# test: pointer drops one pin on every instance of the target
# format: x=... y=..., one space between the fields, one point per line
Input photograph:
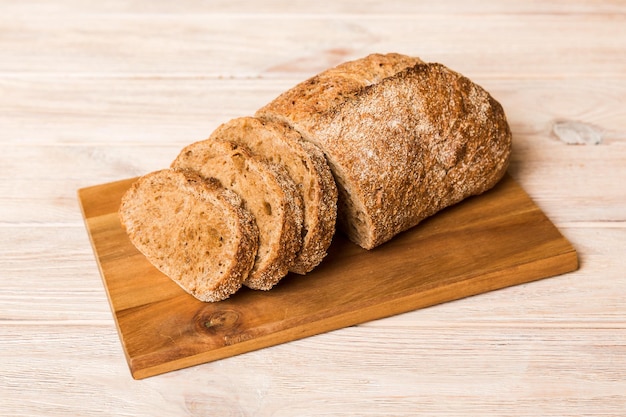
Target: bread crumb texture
x=194 y=231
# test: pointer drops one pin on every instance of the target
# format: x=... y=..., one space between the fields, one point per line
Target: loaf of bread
x=404 y=139
x=306 y=165
x=267 y=191
x=377 y=145
x=194 y=231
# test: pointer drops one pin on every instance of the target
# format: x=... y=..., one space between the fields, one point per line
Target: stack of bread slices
x=372 y=146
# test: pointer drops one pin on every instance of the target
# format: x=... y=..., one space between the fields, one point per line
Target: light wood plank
x=151 y=110
x=210 y=45
x=416 y=372
x=48 y=273
x=595 y=192
x=324 y=7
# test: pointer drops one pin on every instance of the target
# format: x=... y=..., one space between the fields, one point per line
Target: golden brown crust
x=307 y=166
x=302 y=106
x=170 y=217
x=268 y=193
x=403 y=148
x=373 y=68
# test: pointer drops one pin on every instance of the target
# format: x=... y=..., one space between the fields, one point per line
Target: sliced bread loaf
x=418 y=140
x=307 y=166
x=194 y=231
x=268 y=193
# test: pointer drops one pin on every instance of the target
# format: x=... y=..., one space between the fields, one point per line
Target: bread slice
x=403 y=148
x=194 y=231
x=268 y=193
x=307 y=166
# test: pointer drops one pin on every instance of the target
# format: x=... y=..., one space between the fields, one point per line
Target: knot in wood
x=222 y=320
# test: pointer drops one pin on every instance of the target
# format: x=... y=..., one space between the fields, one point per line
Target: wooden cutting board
x=492 y=241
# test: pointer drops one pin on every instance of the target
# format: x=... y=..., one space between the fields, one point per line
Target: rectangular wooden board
x=488 y=242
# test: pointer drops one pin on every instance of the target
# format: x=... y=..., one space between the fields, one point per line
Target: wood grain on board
x=488 y=242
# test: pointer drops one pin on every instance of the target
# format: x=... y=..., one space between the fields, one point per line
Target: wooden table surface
x=93 y=92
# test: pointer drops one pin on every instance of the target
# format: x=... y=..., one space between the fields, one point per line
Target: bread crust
x=254 y=178
x=167 y=216
x=402 y=148
x=305 y=105
x=307 y=166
